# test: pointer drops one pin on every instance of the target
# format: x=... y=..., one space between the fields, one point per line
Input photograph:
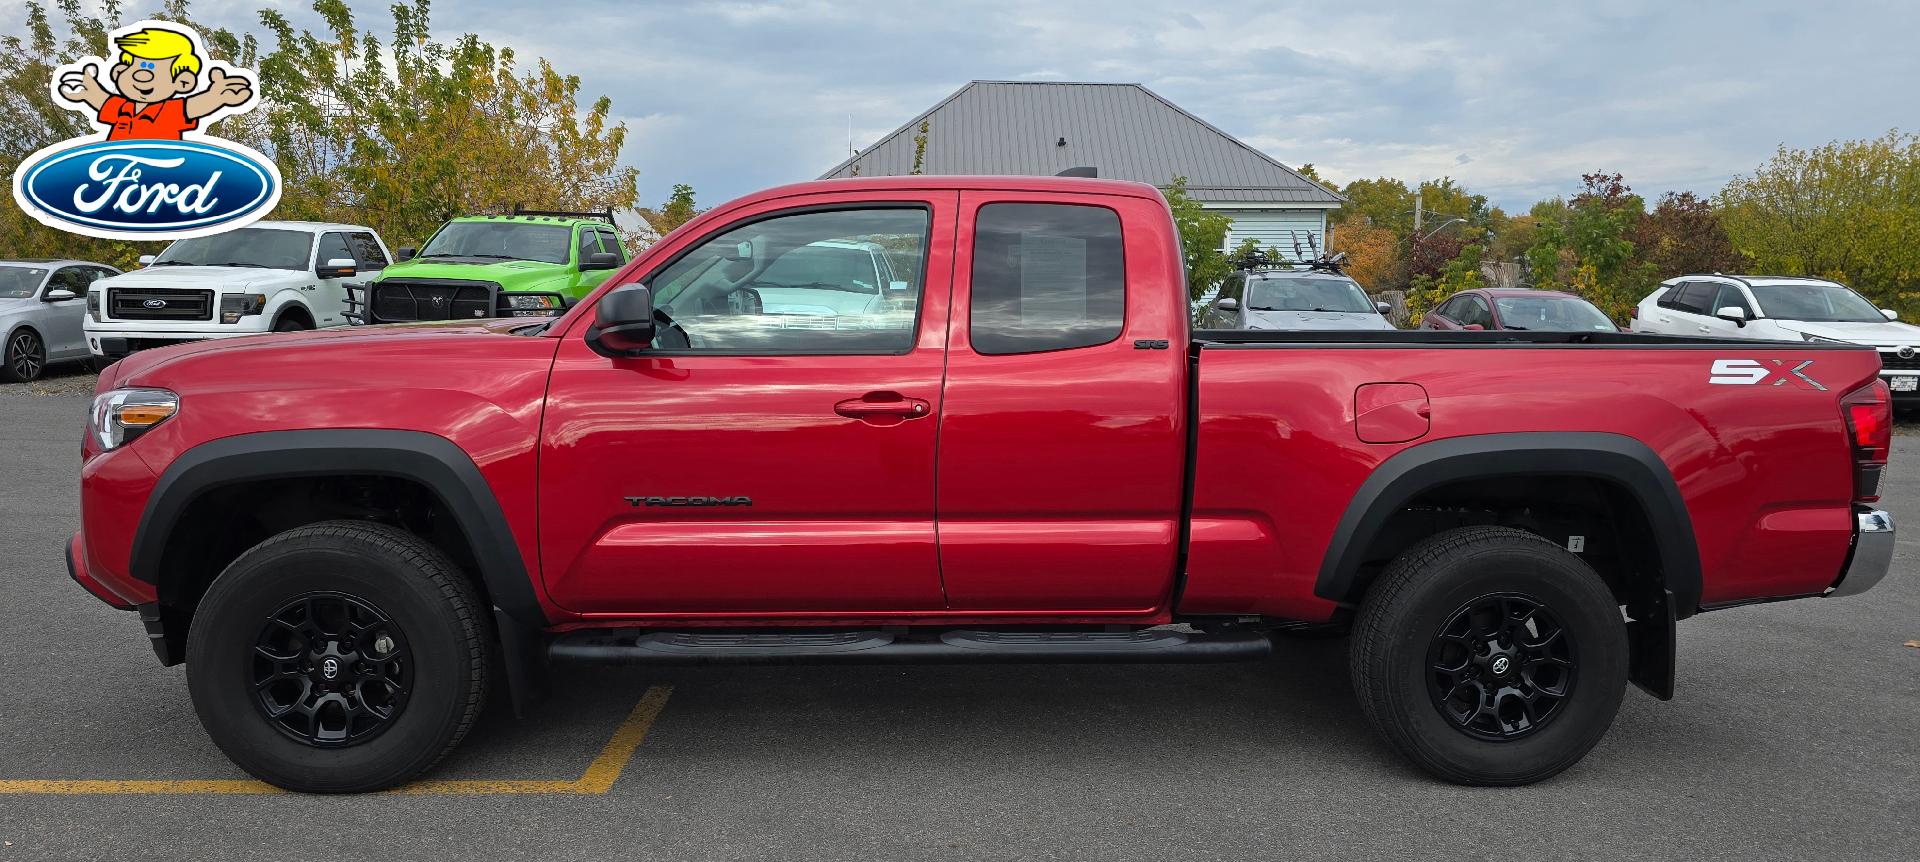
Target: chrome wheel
x=26 y=356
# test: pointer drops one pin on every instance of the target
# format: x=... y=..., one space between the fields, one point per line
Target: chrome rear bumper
x=1872 y=553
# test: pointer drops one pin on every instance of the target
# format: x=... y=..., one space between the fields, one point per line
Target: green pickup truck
x=534 y=263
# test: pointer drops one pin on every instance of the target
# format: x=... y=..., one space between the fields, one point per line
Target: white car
x=271 y=276
x=1780 y=308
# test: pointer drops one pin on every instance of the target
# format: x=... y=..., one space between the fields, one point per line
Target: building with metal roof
x=1123 y=131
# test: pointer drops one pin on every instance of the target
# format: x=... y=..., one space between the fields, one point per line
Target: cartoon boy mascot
x=157 y=71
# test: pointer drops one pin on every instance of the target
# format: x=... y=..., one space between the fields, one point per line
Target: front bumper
x=78 y=571
x=1872 y=555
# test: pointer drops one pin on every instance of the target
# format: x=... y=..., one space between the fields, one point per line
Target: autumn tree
x=1683 y=234
x=1849 y=211
x=678 y=210
x=1203 y=233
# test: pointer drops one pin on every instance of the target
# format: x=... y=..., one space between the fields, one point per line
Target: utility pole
x=1418 y=205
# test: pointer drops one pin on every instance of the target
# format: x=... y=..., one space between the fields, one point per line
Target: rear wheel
x=340 y=657
x=1490 y=656
x=26 y=356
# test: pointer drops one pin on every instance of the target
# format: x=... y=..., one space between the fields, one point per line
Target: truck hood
x=333 y=344
x=511 y=275
x=235 y=279
x=1321 y=320
x=1882 y=333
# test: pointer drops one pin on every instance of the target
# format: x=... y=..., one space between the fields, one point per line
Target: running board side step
x=885 y=647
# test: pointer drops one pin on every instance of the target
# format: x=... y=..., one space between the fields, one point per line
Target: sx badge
x=153 y=174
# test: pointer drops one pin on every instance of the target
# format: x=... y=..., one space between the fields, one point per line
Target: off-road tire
x=1422 y=589
x=411 y=582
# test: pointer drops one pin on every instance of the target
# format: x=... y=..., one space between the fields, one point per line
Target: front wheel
x=1490 y=656
x=339 y=657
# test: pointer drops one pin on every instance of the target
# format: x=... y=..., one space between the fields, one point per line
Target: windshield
x=499 y=240
x=1307 y=294
x=20 y=282
x=249 y=246
x=1551 y=314
x=1815 y=302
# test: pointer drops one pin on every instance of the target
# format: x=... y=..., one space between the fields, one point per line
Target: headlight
x=123 y=414
x=532 y=304
x=1810 y=337
x=93 y=305
x=236 y=306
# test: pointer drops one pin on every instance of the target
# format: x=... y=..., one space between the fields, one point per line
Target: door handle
x=877 y=405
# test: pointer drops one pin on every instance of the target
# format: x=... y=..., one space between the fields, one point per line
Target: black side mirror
x=405 y=253
x=622 y=321
x=339 y=267
x=600 y=260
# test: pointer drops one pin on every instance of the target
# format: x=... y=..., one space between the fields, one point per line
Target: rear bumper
x=1872 y=555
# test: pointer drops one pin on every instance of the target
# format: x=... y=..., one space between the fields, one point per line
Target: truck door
x=758 y=460
x=1062 y=440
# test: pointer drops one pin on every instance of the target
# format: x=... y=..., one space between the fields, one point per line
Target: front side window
x=501 y=240
x=611 y=244
x=73 y=278
x=1475 y=312
x=1307 y=294
x=263 y=247
x=801 y=283
x=1046 y=277
x=333 y=246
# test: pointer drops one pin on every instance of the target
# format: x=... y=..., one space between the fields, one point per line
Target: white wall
x=1270 y=227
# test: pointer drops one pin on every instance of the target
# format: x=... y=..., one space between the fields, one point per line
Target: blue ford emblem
x=145 y=189
x=155 y=303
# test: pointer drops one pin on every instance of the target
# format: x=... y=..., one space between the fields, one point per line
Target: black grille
x=1892 y=362
x=401 y=300
x=159 y=303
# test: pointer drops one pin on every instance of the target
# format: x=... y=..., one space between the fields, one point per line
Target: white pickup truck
x=271 y=276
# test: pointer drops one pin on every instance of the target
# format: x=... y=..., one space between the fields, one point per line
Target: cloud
x=734 y=96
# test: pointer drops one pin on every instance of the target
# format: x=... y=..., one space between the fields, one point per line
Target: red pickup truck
x=1018 y=454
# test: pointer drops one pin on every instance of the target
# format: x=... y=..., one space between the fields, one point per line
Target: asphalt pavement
x=1796 y=735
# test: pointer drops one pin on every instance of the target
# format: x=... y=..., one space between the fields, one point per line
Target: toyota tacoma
x=1013 y=451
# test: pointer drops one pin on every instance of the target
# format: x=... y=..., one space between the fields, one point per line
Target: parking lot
x=1796 y=734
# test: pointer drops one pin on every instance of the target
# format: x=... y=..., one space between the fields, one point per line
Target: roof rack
x=605 y=215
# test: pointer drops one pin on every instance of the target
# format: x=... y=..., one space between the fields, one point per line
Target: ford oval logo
x=155 y=303
x=147 y=189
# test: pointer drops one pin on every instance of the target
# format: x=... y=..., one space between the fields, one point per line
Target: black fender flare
x=429 y=459
x=1614 y=458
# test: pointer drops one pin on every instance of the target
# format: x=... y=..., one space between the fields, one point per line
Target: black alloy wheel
x=26 y=356
x=1501 y=667
x=331 y=669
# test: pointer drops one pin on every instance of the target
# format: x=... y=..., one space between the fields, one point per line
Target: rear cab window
x=1046 y=277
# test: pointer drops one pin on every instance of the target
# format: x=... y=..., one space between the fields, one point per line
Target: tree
x=1683 y=234
x=1849 y=211
x=1373 y=256
x=1203 y=233
x=398 y=134
x=678 y=210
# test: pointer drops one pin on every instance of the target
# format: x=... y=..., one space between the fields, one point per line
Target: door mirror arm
x=623 y=322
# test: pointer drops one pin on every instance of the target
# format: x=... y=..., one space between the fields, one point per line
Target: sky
x=1514 y=99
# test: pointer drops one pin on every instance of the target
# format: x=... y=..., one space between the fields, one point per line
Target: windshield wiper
x=244 y=263
x=1521 y=328
x=173 y=263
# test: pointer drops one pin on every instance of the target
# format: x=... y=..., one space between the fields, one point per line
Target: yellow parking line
x=598 y=779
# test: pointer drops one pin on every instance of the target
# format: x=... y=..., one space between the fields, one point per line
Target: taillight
x=1869 y=412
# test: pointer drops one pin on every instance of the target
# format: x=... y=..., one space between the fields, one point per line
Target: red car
x=1523 y=309
x=1015 y=452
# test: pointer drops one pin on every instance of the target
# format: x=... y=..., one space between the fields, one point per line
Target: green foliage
x=1202 y=233
x=1848 y=211
x=678 y=210
x=399 y=134
x=920 y=148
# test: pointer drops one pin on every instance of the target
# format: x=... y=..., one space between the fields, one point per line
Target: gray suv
x=1293 y=299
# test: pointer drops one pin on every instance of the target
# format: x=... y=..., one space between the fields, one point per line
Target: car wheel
x=290 y=323
x=26 y=356
x=1490 y=656
x=340 y=657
